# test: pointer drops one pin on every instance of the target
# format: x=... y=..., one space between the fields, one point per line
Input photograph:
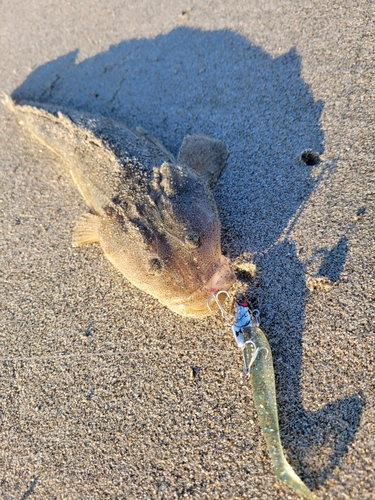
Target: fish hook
x=254 y=356
x=215 y=298
x=256 y=316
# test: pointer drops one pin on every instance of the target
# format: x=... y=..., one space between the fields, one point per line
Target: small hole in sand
x=310 y=157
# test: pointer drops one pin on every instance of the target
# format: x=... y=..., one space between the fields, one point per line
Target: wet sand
x=104 y=392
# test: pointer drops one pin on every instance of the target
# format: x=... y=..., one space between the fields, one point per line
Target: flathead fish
x=154 y=216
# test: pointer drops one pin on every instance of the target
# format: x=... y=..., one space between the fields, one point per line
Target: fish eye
x=193 y=240
x=155 y=267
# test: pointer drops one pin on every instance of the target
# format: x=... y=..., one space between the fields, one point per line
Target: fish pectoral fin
x=205 y=155
x=86 y=230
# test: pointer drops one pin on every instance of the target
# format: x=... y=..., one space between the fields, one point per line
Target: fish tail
x=24 y=113
x=15 y=109
x=258 y=358
x=44 y=122
x=7 y=101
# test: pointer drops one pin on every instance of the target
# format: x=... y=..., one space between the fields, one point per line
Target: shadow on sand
x=218 y=83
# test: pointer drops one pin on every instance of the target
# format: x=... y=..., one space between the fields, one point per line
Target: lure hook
x=256 y=351
x=215 y=298
x=256 y=316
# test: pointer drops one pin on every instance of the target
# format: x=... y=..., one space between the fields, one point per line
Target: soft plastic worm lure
x=259 y=366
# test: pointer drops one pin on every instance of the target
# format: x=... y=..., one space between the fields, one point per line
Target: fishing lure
x=258 y=366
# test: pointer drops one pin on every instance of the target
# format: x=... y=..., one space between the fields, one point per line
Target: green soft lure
x=258 y=364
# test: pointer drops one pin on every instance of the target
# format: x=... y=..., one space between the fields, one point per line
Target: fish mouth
x=195 y=305
x=222 y=278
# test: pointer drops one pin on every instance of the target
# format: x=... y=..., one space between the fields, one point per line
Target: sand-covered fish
x=154 y=217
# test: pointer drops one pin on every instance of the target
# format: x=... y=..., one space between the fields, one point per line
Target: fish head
x=170 y=246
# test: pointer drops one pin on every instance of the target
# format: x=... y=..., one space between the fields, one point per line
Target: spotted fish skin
x=154 y=217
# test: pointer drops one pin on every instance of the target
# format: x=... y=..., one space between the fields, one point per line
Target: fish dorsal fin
x=205 y=155
x=86 y=230
x=144 y=134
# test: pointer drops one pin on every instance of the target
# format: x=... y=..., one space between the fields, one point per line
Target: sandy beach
x=105 y=393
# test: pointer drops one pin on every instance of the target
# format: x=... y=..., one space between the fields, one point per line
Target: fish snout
x=195 y=305
x=222 y=278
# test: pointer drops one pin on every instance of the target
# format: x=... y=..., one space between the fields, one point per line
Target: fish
x=259 y=366
x=154 y=216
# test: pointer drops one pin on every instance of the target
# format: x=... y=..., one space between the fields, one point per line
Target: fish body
x=154 y=217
